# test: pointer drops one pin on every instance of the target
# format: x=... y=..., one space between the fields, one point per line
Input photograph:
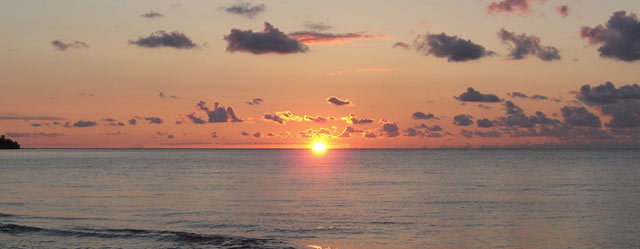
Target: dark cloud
x=245 y=134
x=370 y=135
x=608 y=93
x=412 y=132
x=36 y=125
x=116 y=124
x=401 y=45
x=214 y=135
x=163 y=96
x=336 y=101
x=515 y=117
x=153 y=120
x=518 y=95
x=275 y=118
x=451 y=47
x=217 y=114
x=133 y=121
x=38 y=134
x=352 y=119
x=308 y=37
x=390 y=130
x=62 y=46
x=470 y=134
x=317 y=26
x=170 y=136
x=619 y=38
x=245 y=9
x=539 y=97
x=580 y=116
x=475 y=96
x=422 y=115
x=510 y=6
x=161 y=38
x=484 y=123
x=282 y=117
x=81 y=123
x=30 y=118
x=524 y=45
x=486 y=107
x=348 y=131
x=271 y=40
x=255 y=101
x=625 y=114
x=317 y=119
x=462 y=120
x=257 y=134
x=151 y=14
x=563 y=10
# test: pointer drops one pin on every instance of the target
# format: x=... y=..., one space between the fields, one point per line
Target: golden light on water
x=319 y=147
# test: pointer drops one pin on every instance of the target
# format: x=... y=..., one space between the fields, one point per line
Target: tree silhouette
x=6 y=143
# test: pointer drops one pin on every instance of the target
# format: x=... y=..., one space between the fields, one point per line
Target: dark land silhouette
x=6 y=143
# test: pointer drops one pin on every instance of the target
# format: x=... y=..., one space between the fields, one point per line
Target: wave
x=179 y=237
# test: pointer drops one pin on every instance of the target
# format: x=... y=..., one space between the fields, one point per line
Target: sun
x=319 y=147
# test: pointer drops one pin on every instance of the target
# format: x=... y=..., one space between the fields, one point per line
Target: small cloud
x=133 y=121
x=523 y=45
x=401 y=45
x=271 y=40
x=317 y=26
x=339 y=102
x=282 y=117
x=563 y=10
x=38 y=134
x=309 y=37
x=217 y=114
x=30 y=118
x=151 y=14
x=462 y=120
x=214 y=134
x=62 y=46
x=352 y=119
x=170 y=136
x=246 y=9
x=452 y=47
x=510 y=6
x=422 y=115
x=579 y=116
x=484 y=123
x=255 y=101
x=163 y=96
x=81 y=124
x=475 y=96
x=153 y=120
x=161 y=38
x=390 y=130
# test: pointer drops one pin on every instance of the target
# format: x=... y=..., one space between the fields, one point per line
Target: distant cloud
x=163 y=96
x=255 y=101
x=422 y=115
x=523 y=45
x=352 y=119
x=484 y=123
x=451 y=47
x=623 y=103
x=257 y=134
x=153 y=120
x=516 y=117
x=475 y=96
x=161 y=38
x=619 y=39
x=62 y=46
x=283 y=117
x=245 y=134
x=370 y=134
x=470 y=134
x=339 y=102
x=518 y=95
x=309 y=37
x=579 y=116
x=30 y=118
x=462 y=120
x=246 y=9
x=510 y=6
x=133 y=121
x=271 y=40
x=151 y=14
x=217 y=114
x=390 y=130
x=346 y=133
x=401 y=45
x=81 y=124
x=563 y=10
x=317 y=26
x=38 y=134
x=170 y=136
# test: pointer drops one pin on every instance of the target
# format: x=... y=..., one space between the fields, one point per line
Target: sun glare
x=319 y=147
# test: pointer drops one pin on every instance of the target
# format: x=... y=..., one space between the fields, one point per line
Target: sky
x=352 y=74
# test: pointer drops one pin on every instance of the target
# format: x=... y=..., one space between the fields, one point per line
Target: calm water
x=342 y=199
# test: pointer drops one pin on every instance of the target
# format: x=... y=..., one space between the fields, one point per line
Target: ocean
x=344 y=198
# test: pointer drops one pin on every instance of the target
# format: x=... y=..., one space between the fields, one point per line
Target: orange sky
x=69 y=68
